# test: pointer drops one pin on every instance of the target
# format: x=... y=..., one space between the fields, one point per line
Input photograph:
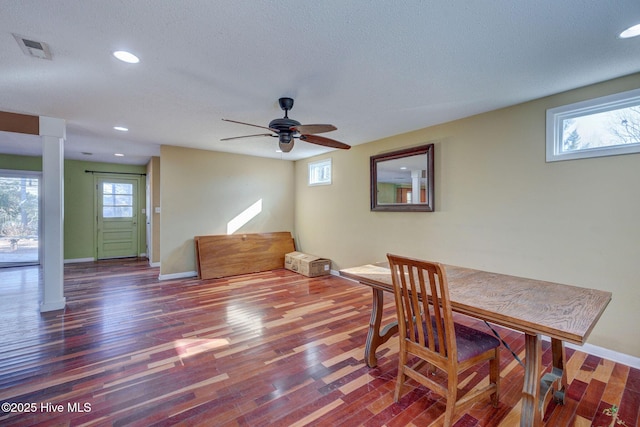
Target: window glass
x=117 y=200
x=599 y=127
x=320 y=172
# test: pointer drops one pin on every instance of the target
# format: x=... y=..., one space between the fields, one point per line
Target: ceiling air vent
x=33 y=48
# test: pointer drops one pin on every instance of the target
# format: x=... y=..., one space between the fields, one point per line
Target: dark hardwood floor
x=266 y=349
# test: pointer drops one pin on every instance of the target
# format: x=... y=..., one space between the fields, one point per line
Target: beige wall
x=499 y=207
x=153 y=193
x=201 y=191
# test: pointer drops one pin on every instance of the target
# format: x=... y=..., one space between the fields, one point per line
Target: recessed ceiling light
x=125 y=56
x=119 y=155
x=630 y=32
x=120 y=128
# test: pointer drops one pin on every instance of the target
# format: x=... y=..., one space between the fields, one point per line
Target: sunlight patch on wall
x=244 y=217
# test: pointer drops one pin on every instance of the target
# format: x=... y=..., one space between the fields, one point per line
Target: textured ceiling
x=372 y=68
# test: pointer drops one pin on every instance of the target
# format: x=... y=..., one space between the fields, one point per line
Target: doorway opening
x=19 y=218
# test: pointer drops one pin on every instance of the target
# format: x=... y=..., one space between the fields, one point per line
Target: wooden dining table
x=537 y=308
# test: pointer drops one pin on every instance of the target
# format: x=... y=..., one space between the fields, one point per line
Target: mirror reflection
x=403 y=180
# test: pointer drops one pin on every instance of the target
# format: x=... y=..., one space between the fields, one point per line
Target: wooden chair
x=427 y=330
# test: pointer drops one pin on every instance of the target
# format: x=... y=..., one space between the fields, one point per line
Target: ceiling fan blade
x=321 y=140
x=246 y=136
x=313 y=129
x=249 y=124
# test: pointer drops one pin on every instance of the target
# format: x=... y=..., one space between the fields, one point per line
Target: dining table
x=539 y=309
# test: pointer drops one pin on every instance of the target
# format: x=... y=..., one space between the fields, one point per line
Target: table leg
x=536 y=394
x=531 y=416
x=375 y=337
x=554 y=383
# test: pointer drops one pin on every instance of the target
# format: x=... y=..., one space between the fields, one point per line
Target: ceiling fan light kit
x=287 y=130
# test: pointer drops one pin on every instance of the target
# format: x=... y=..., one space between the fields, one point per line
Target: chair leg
x=452 y=397
x=402 y=360
x=494 y=377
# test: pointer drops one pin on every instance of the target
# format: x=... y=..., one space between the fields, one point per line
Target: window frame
x=319 y=164
x=556 y=116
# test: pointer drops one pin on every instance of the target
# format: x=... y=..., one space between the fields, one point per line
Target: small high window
x=320 y=172
x=598 y=127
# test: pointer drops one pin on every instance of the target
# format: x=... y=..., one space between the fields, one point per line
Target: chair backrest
x=427 y=322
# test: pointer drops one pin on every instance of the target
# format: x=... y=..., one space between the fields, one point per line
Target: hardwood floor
x=272 y=348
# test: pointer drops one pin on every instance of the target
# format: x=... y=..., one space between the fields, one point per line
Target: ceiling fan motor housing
x=284 y=124
x=283 y=127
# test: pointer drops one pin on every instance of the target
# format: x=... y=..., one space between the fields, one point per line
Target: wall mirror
x=403 y=180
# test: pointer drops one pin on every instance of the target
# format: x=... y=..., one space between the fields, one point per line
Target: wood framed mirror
x=402 y=181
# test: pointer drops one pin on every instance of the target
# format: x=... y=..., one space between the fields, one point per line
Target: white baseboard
x=53 y=306
x=182 y=275
x=154 y=264
x=605 y=353
x=70 y=261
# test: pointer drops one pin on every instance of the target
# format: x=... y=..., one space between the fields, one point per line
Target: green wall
x=21 y=163
x=386 y=192
x=79 y=215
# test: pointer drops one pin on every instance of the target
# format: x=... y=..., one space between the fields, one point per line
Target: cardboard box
x=308 y=265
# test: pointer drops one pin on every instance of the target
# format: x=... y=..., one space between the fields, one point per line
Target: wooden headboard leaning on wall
x=223 y=256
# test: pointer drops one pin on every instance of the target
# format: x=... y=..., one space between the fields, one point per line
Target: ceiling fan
x=287 y=130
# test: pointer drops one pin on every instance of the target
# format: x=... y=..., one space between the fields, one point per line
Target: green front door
x=117 y=217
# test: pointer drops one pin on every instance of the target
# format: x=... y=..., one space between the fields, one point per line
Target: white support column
x=415 y=185
x=53 y=133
